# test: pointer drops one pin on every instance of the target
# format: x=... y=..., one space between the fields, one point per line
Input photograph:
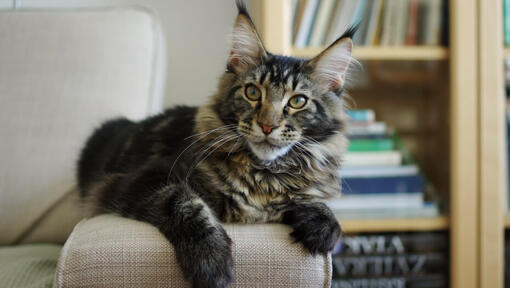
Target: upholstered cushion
x=110 y=251
x=61 y=74
x=28 y=266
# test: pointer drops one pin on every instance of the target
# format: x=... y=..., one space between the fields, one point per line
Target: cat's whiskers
x=200 y=158
x=221 y=128
x=225 y=127
x=315 y=142
x=233 y=146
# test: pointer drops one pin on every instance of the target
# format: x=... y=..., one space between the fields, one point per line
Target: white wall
x=196 y=32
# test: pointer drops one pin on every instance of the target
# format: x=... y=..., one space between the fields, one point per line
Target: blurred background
x=425 y=180
x=199 y=53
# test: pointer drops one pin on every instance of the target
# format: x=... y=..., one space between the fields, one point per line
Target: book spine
x=314 y=22
x=300 y=9
x=389 y=265
x=383 y=185
x=412 y=23
x=415 y=281
x=375 y=128
x=361 y=115
x=384 y=144
x=358 y=16
x=373 y=23
x=306 y=23
x=507 y=21
x=390 y=244
x=422 y=21
x=373 y=202
x=378 y=171
x=321 y=22
x=388 y=23
x=433 y=30
x=389 y=158
x=428 y=210
x=365 y=23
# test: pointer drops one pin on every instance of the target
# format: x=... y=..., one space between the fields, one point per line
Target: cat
x=265 y=148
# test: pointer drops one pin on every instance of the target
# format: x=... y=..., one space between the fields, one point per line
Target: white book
x=433 y=23
x=374 y=22
x=378 y=171
x=401 y=22
x=341 y=22
x=348 y=203
x=375 y=128
x=388 y=22
x=369 y=158
x=306 y=23
x=321 y=22
x=293 y=9
x=428 y=210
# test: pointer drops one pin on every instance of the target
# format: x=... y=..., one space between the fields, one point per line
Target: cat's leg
x=314 y=225
x=202 y=247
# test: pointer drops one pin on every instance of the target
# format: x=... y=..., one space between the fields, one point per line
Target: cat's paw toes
x=212 y=267
x=317 y=237
x=315 y=227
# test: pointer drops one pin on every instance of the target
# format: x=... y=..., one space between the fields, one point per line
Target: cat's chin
x=268 y=152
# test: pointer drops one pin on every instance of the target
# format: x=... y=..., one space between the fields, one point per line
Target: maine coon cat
x=265 y=148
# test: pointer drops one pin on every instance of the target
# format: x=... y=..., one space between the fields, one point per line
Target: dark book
x=389 y=265
x=392 y=244
x=383 y=185
x=415 y=281
x=445 y=23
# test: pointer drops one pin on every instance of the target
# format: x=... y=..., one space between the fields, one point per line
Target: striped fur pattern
x=265 y=148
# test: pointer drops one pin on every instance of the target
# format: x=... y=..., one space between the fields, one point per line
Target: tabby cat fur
x=265 y=148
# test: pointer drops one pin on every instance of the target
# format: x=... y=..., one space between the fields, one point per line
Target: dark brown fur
x=189 y=169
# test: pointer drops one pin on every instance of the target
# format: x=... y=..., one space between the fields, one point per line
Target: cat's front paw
x=208 y=262
x=315 y=226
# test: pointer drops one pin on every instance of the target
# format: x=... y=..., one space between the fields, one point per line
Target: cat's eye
x=252 y=92
x=298 y=101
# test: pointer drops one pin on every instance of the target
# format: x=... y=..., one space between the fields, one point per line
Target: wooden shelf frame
x=492 y=143
x=350 y=226
x=387 y=53
x=507 y=221
x=477 y=139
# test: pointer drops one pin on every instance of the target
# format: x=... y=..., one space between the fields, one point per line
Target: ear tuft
x=241 y=8
x=331 y=65
x=247 y=48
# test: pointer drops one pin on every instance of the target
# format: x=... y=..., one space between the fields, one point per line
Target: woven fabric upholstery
x=62 y=73
x=110 y=251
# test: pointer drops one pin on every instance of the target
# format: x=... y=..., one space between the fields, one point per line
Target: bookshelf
x=411 y=53
x=507 y=221
x=395 y=225
x=461 y=146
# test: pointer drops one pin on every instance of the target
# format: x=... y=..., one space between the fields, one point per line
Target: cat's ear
x=247 y=48
x=331 y=65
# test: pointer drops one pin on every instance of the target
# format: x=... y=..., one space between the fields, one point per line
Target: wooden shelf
x=506 y=52
x=507 y=221
x=394 y=225
x=411 y=53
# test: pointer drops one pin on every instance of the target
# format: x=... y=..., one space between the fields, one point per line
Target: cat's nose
x=267 y=129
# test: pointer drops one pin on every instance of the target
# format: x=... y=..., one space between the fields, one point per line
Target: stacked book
x=507 y=258
x=507 y=88
x=379 y=177
x=506 y=21
x=391 y=260
x=381 y=22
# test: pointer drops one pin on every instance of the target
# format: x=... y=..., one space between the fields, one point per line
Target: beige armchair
x=61 y=74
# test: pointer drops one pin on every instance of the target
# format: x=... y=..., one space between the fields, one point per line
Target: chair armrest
x=111 y=251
